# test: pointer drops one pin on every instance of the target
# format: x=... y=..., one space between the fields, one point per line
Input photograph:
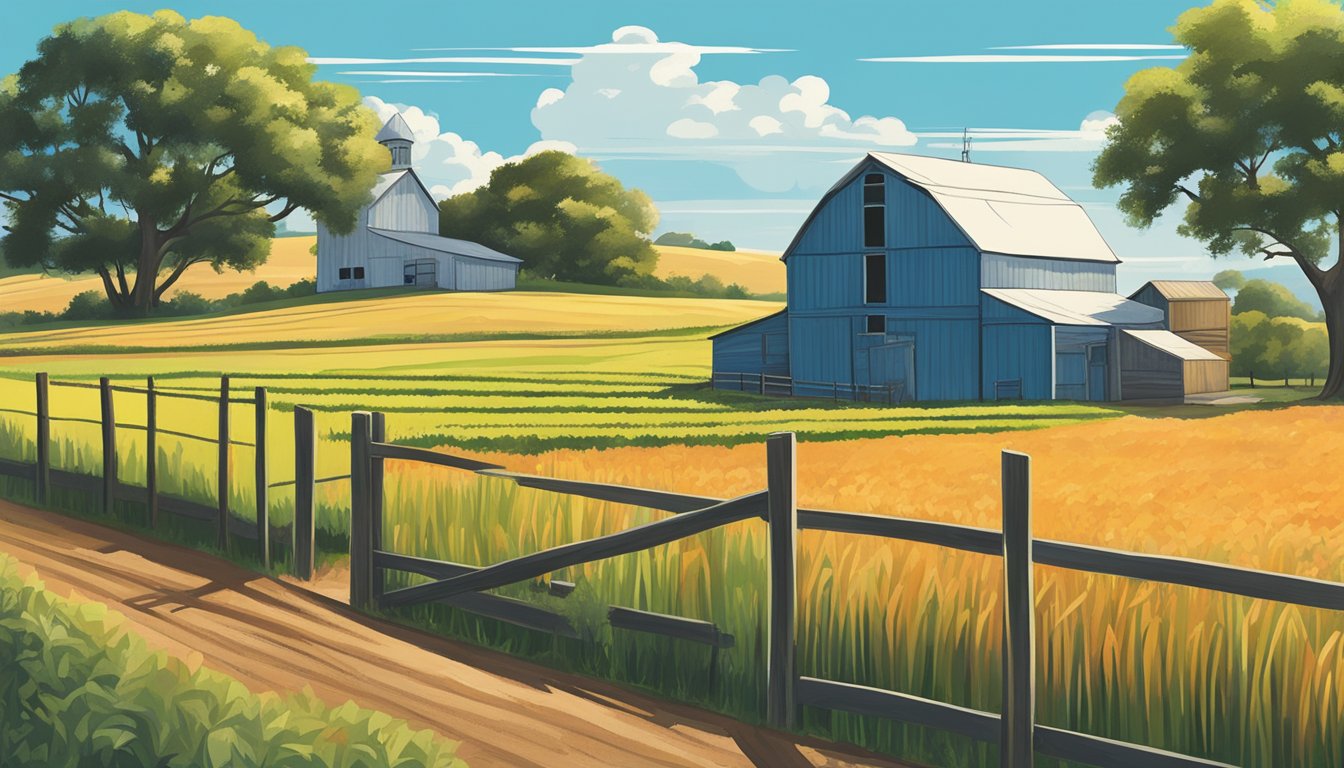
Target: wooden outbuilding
x=1196 y=310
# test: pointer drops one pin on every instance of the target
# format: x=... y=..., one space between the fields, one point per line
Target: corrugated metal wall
x=1017 y=352
x=405 y=207
x=820 y=350
x=760 y=347
x=480 y=275
x=999 y=271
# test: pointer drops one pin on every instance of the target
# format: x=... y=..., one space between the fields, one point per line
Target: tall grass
x=1249 y=682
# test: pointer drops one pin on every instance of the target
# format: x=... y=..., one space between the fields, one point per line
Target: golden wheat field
x=1252 y=682
x=757 y=272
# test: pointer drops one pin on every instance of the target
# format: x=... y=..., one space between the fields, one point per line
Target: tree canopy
x=1273 y=300
x=1277 y=347
x=1229 y=280
x=138 y=146
x=562 y=216
x=1248 y=131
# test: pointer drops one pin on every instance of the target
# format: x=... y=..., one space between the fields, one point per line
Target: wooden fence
x=1019 y=736
x=109 y=488
x=787 y=386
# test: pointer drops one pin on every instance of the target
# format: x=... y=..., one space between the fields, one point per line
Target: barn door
x=893 y=365
x=422 y=272
x=1096 y=372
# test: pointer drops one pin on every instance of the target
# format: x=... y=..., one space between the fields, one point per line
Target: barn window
x=874 y=211
x=344 y=273
x=877 y=324
x=359 y=273
x=875 y=278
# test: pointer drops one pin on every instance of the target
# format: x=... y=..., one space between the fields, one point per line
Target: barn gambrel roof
x=1012 y=211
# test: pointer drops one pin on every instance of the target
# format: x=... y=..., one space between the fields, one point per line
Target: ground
x=272 y=635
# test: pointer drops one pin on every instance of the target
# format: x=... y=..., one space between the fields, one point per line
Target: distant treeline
x=686 y=239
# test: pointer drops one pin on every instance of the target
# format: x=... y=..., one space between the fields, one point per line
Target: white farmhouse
x=396 y=240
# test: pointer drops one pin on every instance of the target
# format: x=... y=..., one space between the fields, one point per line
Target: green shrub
x=76 y=688
x=89 y=305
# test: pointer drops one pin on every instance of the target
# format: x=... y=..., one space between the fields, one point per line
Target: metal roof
x=395 y=129
x=1177 y=290
x=1098 y=308
x=1005 y=210
x=1173 y=345
x=750 y=323
x=446 y=245
x=1013 y=211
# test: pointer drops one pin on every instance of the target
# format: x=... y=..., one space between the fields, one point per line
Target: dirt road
x=273 y=635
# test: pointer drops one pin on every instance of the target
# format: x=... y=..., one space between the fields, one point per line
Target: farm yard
x=603 y=402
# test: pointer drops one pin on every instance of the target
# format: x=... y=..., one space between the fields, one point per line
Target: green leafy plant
x=79 y=689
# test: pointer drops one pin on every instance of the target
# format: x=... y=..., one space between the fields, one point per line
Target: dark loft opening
x=875 y=278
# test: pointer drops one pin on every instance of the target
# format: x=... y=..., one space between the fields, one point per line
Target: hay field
x=416 y=316
x=288 y=263
x=757 y=272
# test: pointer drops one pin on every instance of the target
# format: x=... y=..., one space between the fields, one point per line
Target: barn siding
x=1017 y=352
x=914 y=220
x=480 y=275
x=1205 y=376
x=758 y=347
x=406 y=208
x=820 y=350
x=1203 y=322
x=1000 y=271
x=1148 y=373
x=946 y=356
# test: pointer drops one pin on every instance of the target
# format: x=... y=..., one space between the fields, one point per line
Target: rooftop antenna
x=965 y=145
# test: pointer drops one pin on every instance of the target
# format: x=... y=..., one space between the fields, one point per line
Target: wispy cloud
x=401 y=73
x=523 y=60
x=1090 y=47
x=1001 y=58
x=1089 y=136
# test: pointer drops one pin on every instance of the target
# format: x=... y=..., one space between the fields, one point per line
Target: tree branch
x=288 y=209
x=1188 y=193
x=1313 y=272
x=174 y=275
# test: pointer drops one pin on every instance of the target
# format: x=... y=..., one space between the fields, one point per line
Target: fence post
x=223 y=487
x=43 y=442
x=152 y=452
x=361 y=512
x=782 y=515
x=379 y=433
x=109 y=425
x=305 y=475
x=762 y=382
x=1019 y=621
x=263 y=495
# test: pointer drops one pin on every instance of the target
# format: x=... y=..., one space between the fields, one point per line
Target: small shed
x=1159 y=365
x=1196 y=310
x=743 y=354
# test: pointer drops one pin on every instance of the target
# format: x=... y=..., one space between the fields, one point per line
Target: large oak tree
x=139 y=146
x=1249 y=133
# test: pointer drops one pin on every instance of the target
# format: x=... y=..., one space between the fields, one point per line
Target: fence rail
x=787 y=386
x=108 y=487
x=1020 y=738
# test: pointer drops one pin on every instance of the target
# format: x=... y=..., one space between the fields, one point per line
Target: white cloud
x=1011 y=58
x=637 y=97
x=1089 y=137
x=447 y=163
x=1090 y=47
x=533 y=61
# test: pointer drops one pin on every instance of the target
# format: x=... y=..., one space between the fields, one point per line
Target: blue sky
x=734 y=117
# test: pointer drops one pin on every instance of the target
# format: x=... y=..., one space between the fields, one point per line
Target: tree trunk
x=1332 y=298
x=146 y=267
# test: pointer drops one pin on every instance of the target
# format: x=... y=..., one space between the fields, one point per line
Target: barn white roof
x=1078 y=307
x=445 y=245
x=1012 y=211
x=1173 y=345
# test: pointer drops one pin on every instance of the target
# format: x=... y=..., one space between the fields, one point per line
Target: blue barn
x=918 y=278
